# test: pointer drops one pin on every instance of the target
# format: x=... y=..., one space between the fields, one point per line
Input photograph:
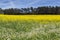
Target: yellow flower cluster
x=28 y=17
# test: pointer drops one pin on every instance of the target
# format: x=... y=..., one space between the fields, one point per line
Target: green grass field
x=29 y=30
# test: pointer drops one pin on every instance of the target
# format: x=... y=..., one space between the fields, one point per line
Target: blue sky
x=27 y=3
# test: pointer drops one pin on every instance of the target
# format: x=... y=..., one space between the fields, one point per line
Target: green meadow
x=29 y=30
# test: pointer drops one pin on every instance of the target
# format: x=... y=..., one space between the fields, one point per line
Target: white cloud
x=11 y=3
x=34 y=2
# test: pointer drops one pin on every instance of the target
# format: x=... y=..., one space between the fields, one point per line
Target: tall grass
x=29 y=30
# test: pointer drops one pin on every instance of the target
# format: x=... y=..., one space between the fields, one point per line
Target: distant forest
x=44 y=10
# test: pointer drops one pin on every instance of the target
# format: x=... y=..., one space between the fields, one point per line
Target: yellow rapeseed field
x=28 y=17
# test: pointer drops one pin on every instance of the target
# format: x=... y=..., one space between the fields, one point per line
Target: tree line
x=32 y=11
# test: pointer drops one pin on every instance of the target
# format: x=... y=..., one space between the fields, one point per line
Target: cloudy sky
x=27 y=3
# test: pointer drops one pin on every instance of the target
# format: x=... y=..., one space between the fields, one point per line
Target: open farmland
x=29 y=27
